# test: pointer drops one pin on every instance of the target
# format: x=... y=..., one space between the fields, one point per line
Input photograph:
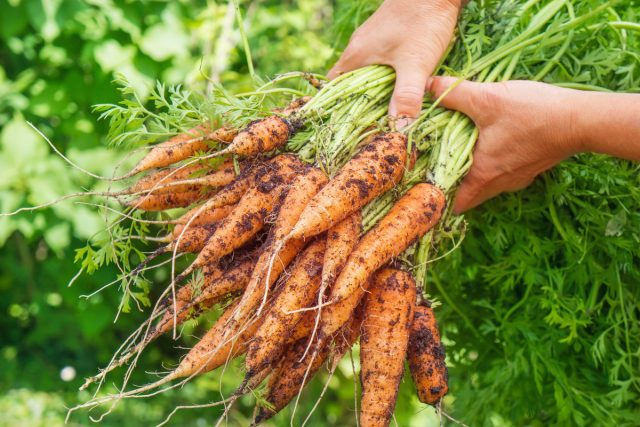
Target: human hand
x=524 y=128
x=409 y=35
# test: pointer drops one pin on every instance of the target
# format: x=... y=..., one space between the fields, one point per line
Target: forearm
x=608 y=123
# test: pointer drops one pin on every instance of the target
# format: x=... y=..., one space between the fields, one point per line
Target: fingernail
x=427 y=86
x=403 y=121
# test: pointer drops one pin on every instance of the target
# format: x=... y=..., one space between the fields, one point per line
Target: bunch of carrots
x=311 y=226
x=279 y=244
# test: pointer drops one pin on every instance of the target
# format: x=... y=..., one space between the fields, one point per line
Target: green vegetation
x=538 y=306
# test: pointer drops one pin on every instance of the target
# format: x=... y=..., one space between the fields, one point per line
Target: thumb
x=406 y=100
x=469 y=194
x=352 y=58
x=463 y=97
x=466 y=197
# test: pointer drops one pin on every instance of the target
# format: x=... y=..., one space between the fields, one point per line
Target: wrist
x=586 y=109
x=577 y=117
x=457 y=4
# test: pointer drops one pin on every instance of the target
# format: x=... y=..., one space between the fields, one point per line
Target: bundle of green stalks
x=309 y=222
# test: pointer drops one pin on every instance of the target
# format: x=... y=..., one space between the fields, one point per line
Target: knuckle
x=494 y=94
x=356 y=42
x=487 y=101
x=408 y=97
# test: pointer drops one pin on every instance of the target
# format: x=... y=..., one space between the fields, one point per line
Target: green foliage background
x=539 y=307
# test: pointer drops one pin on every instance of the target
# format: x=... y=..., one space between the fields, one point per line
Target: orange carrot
x=341 y=239
x=249 y=215
x=295 y=369
x=426 y=357
x=210 y=216
x=303 y=328
x=161 y=202
x=409 y=219
x=374 y=170
x=276 y=258
x=260 y=136
x=191 y=300
x=335 y=315
x=192 y=240
x=163 y=177
x=182 y=146
x=231 y=194
x=204 y=357
x=198 y=177
x=388 y=312
x=298 y=291
x=258 y=282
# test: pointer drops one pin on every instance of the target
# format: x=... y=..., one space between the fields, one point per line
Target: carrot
x=295 y=369
x=344 y=338
x=277 y=257
x=249 y=215
x=185 y=178
x=409 y=219
x=298 y=291
x=217 y=285
x=264 y=135
x=287 y=380
x=233 y=280
x=258 y=282
x=193 y=239
x=181 y=240
x=299 y=193
x=335 y=315
x=260 y=136
x=426 y=357
x=161 y=202
x=166 y=176
x=209 y=216
x=182 y=146
x=229 y=195
x=204 y=357
x=388 y=312
x=374 y=170
x=303 y=328
x=341 y=239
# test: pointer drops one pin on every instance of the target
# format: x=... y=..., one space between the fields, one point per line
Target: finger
x=351 y=59
x=408 y=92
x=463 y=97
x=467 y=194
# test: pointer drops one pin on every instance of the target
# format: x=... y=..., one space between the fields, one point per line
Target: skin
x=526 y=128
x=552 y=123
x=382 y=39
